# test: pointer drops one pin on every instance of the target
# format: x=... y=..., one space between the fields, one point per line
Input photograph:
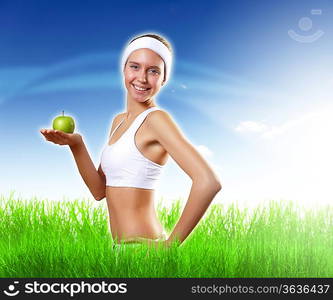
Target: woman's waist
x=129 y=192
x=134 y=230
x=130 y=199
x=134 y=220
x=132 y=213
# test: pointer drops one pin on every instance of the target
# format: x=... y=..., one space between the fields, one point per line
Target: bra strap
x=141 y=118
x=116 y=128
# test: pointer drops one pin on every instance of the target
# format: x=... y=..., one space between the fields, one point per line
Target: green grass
x=72 y=239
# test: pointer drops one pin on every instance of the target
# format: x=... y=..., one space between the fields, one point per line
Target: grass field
x=72 y=239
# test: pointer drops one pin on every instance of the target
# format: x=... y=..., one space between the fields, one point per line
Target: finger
x=57 y=138
x=47 y=135
x=61 y=139
x=49 y=139
x=50 y=130
x=60 y=135
x=66 y=137
x=63 y=134
x=45 y=132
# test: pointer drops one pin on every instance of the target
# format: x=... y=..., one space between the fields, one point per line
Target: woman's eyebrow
x=133 y=62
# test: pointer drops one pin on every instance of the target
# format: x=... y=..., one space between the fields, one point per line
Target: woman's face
x=144 y=70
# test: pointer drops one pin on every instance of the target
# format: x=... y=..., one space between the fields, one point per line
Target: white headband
x=152 y=44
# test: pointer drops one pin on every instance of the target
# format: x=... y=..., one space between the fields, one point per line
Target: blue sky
x=253 y=100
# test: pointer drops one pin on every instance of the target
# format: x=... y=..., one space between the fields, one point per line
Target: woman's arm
x=205 y=183
x=92 y=178
x=201 y=195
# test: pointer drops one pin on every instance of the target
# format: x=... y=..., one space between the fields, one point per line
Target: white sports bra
x=124 y=165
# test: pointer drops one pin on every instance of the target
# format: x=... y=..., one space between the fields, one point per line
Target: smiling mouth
x=139 y=89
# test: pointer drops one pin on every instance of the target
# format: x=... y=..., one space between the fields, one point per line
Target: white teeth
x=138 y=88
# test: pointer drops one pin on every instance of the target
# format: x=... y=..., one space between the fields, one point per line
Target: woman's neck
x=134 y=108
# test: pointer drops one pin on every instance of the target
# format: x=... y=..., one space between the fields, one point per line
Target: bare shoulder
x=116 y=120
x=161 y=120
x=164 y=127
x=119 y=116
x=158 y=114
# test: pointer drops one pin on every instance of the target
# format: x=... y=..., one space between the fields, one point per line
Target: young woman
x=140 y=142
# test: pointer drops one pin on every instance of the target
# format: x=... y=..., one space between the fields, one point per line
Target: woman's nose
x=143 y=76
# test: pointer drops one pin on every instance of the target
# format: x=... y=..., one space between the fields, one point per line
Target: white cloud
x=301 y=124
x=251 y=126
x=300 y=157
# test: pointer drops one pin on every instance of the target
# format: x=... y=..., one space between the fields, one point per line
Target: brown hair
x=159 y=38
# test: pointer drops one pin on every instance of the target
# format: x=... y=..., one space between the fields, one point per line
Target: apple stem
x=63 y=112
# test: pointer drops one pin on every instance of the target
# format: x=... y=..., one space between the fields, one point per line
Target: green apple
x=64 y=123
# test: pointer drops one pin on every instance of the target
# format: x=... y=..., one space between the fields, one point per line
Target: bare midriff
x=132 y=214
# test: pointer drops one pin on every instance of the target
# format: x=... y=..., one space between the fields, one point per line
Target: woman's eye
x=151 y=70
